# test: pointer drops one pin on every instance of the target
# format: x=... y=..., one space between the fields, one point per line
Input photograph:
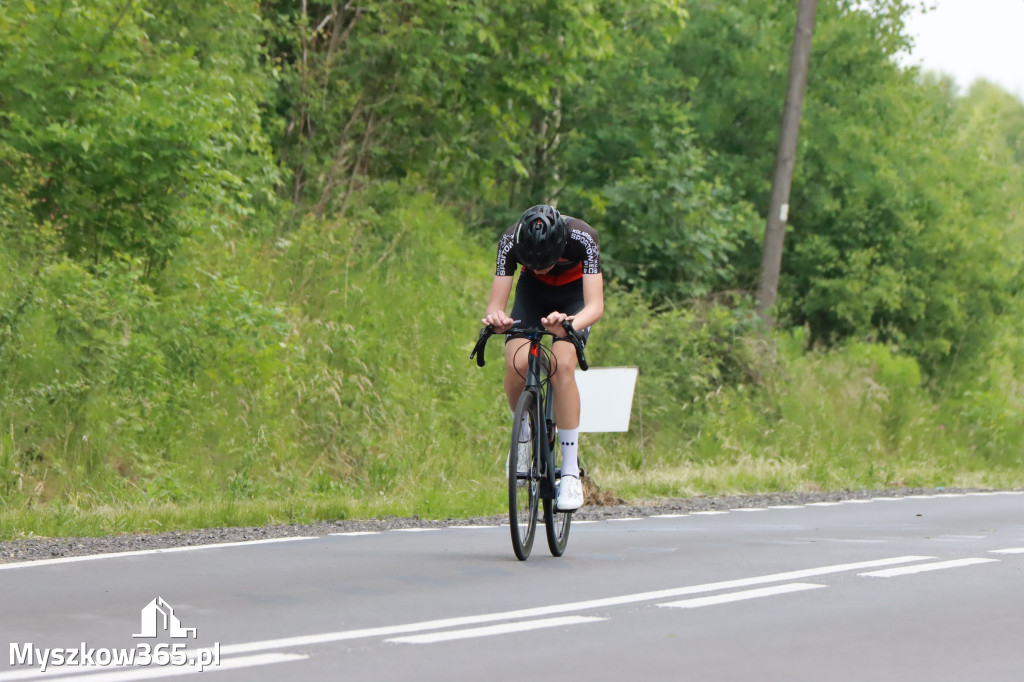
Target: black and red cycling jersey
x=582 y=255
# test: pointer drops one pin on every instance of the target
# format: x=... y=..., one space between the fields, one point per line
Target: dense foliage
x=244 y=246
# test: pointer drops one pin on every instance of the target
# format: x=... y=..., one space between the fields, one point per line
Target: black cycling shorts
x=535 y=299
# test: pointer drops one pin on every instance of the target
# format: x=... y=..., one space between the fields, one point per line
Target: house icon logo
x=158 y=616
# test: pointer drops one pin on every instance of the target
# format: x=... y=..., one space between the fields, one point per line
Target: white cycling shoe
x=570 y=494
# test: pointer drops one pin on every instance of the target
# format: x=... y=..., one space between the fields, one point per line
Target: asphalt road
x=917 y=588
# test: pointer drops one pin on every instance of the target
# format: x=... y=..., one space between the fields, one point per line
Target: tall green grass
x=321 y=372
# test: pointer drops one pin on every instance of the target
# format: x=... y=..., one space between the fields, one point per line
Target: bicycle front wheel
x=523 y=480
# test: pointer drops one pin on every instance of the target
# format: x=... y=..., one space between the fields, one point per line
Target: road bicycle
x=539 y=479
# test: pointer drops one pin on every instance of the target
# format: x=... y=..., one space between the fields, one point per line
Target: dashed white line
x=922 y=568
x=741 y=596
x=491 y=630
x=554 y=609
x=1010 y=550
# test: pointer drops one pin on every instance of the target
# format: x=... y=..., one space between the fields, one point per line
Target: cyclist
x=560 y=279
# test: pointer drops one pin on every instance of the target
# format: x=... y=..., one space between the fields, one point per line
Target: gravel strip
x=32 y=549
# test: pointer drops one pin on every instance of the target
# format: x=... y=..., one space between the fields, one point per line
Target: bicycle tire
x=524 y=489
x=556 y=527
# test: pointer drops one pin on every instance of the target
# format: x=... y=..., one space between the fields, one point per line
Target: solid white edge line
x=555 y=609
x=922 y=568
x=126 y=674
x=741 y=596
x=356 y=532
x=412 y=530
x=145 y=552
x=490 y=630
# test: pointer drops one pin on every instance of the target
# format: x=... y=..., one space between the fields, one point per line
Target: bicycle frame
x=545 y=402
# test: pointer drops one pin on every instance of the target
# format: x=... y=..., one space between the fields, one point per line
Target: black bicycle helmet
x=540 y=237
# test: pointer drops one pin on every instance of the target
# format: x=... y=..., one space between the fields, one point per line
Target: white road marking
x=709 y=513
x=958 y=538
x=668 y=516
x=921 y=568
x=125 y=674
x=490 y=630
x=741 y=596
x=473 y=527
x=823 y=504
x=411 y=530
x=555 y=609
x=1011 y=550
x=358 y=532
x=787 y=506
x=750 y=509
x=857 y=501
x=144 y=552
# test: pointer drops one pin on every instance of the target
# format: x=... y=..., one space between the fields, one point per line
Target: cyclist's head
x=540 y=237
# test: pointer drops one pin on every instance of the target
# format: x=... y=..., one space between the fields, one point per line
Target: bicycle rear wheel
x=524 y=486
x=556 y=526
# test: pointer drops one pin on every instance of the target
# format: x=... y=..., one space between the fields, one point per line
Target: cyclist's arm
x=593 y=302
x=501 y=290
x=593 y=308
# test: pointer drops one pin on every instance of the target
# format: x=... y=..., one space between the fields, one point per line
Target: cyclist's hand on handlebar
x=499 y=320
x=553 y=323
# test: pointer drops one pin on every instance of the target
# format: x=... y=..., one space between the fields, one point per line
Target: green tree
x=143 y=122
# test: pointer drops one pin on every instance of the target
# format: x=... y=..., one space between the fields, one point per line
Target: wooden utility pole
x=778 y=212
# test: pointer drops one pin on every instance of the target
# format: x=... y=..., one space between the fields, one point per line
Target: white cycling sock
x=524 y=432
x=570 y=440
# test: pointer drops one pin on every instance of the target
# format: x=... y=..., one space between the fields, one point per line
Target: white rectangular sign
x=606 y=398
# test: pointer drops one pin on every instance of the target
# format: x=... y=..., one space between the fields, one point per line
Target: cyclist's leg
x=528 y=308
x=563 y=379
x=516 y=358
x=567 y=405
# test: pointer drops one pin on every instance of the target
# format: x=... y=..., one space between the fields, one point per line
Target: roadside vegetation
x=245 y=251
